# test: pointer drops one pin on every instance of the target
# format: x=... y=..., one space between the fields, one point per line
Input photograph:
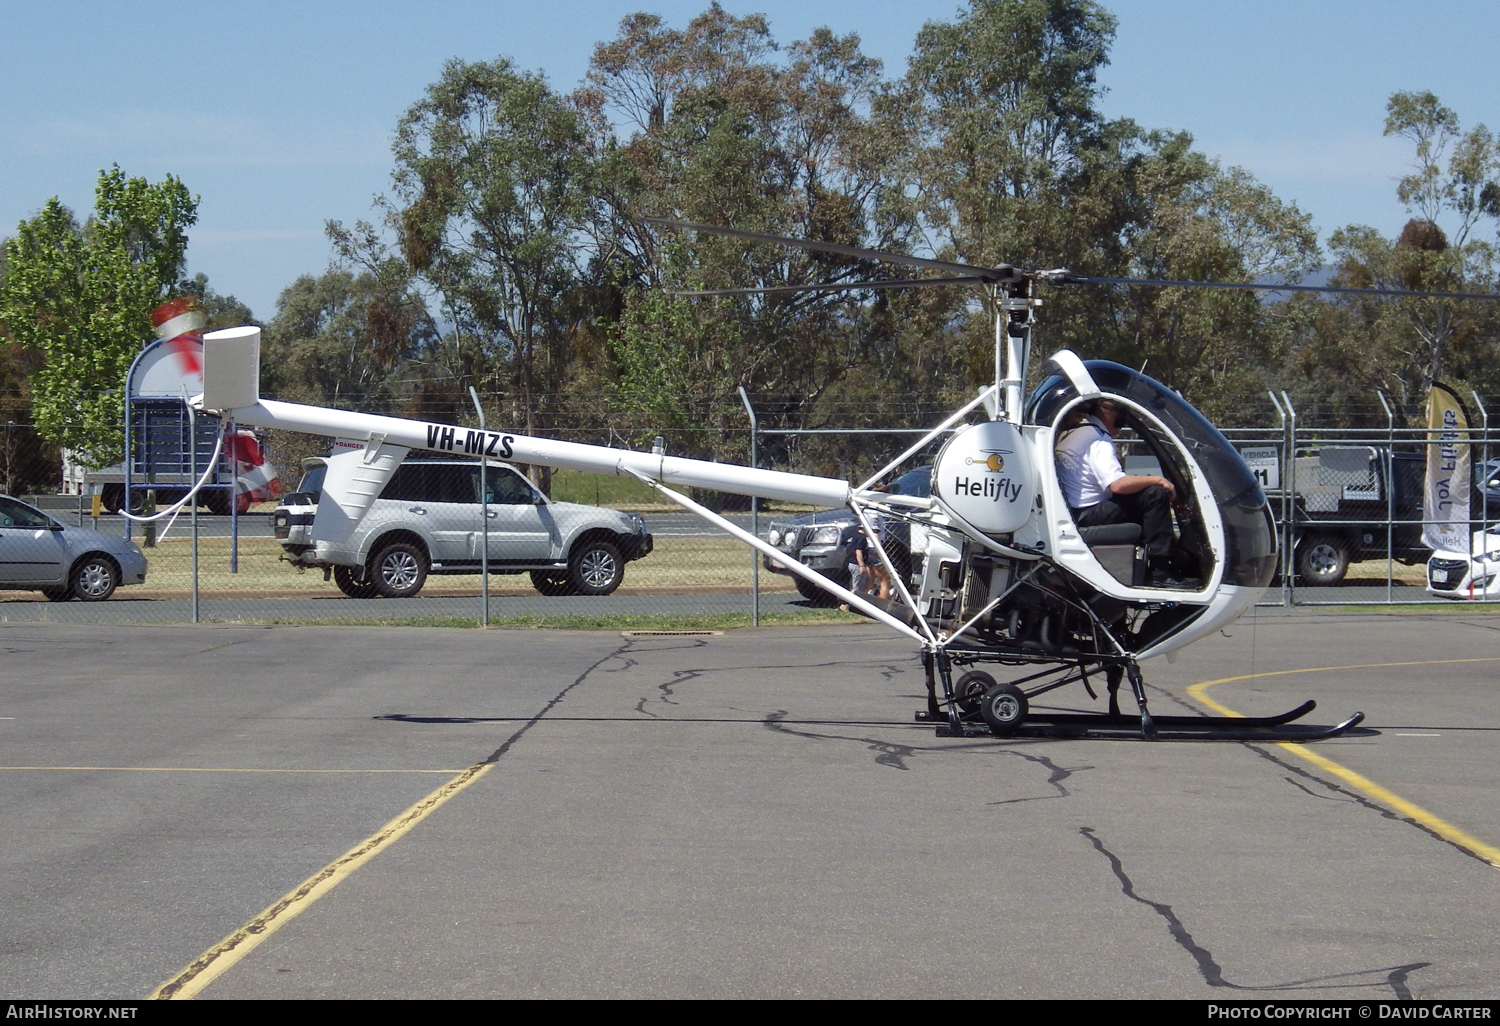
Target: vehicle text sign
x=1265 y=463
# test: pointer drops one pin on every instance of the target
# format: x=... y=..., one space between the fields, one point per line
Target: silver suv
x=427 y=520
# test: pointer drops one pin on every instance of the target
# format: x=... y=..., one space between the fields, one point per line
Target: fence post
x=125 y=486
x=1289 y=499
x=1286 y=560
x=230 y=438
x=1484 y=479
x=484 y=520
x=1390 y=499
x=754 y=517
x=193 y=513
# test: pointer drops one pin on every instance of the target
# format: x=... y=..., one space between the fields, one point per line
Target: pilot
x=1098 y=490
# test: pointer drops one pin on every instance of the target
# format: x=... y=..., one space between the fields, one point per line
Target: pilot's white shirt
x=1087 y=464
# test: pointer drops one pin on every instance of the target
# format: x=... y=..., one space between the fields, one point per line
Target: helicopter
x=1006 y=578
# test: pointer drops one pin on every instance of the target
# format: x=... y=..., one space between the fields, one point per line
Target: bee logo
x=995 y=461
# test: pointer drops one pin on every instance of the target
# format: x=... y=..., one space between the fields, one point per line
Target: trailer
x=1349 y=504
x=159 y=445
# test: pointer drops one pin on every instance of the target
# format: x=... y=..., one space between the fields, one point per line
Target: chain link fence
x=1347 y=502
x=1349 y=508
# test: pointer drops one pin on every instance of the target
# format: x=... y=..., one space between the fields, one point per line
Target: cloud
x=199 y=140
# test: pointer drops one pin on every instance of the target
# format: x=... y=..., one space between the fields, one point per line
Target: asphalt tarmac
x=748 y=814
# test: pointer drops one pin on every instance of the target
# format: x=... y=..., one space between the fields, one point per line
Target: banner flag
x=1445 y=509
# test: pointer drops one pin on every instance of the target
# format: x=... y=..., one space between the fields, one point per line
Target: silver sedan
x=38 y=553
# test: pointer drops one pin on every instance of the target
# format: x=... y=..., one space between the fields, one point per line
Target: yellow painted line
x=209 y=769
x=208 y=966
x=1441 y=827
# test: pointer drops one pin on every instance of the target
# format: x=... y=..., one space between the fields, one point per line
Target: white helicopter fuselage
x=994 y=528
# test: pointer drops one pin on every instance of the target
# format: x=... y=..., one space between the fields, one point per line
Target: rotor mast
x=1013 y=304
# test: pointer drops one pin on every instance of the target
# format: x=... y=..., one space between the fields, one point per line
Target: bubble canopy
x=1249 y=531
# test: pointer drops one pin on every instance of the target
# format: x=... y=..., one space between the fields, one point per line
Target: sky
x=280 y=115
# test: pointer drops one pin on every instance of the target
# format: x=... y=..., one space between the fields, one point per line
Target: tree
x=343 y=338
x=1401 y=345
x=728 y=127
x=492 y=171
x=81 y=296
x=1004 y=102
x=219 y=311
x=1016 y=164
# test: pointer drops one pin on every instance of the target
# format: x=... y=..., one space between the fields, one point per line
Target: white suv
x=427 y=520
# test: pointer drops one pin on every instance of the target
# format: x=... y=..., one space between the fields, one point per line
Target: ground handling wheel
x=969 y=690
x=1003 y=708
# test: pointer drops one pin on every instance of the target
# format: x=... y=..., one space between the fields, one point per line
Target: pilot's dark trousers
x=1150 y=507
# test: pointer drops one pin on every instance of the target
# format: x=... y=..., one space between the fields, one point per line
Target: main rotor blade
x=897 y=283
x=1080 y=279
x=985 y=274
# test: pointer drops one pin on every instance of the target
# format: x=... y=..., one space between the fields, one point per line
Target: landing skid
x=1168 y=728
x=981 y=707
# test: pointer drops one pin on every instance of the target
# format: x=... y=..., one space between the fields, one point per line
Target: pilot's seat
x=1118 y=549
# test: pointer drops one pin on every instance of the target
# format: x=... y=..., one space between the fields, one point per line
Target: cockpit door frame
x=1066 y=544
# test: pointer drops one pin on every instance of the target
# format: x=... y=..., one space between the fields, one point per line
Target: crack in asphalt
x=1313 y=794
x=895 y=756
x=888 y=752
x=1209 y=968
x=527 y=722
x=1348 y=796
x=667 y=691
x=1057 y=775
x=678 y=676
x=553 y=703
x=1359 y=799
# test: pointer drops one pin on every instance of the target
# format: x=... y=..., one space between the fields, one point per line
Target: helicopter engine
x=1014 y=604
x=985 y=476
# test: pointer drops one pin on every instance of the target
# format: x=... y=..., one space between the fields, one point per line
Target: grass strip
x=617 y=622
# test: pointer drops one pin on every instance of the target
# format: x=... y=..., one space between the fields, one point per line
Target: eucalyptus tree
x=1401 y=345
x=348 y=339
x=718 y=123
x=81 y=296
x=492 y=173
x=1015 y=163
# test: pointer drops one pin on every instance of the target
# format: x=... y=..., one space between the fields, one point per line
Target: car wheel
x=62 y=594
x=95 y=578
x=1322 y=559
x=551 y=582
x=818 y=596
x=399 y=570
x=112 y=498
x=354 y=582
x=596 y=568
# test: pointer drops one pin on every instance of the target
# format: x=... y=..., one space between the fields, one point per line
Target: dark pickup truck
x=1344 y=498
x=823 y=540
